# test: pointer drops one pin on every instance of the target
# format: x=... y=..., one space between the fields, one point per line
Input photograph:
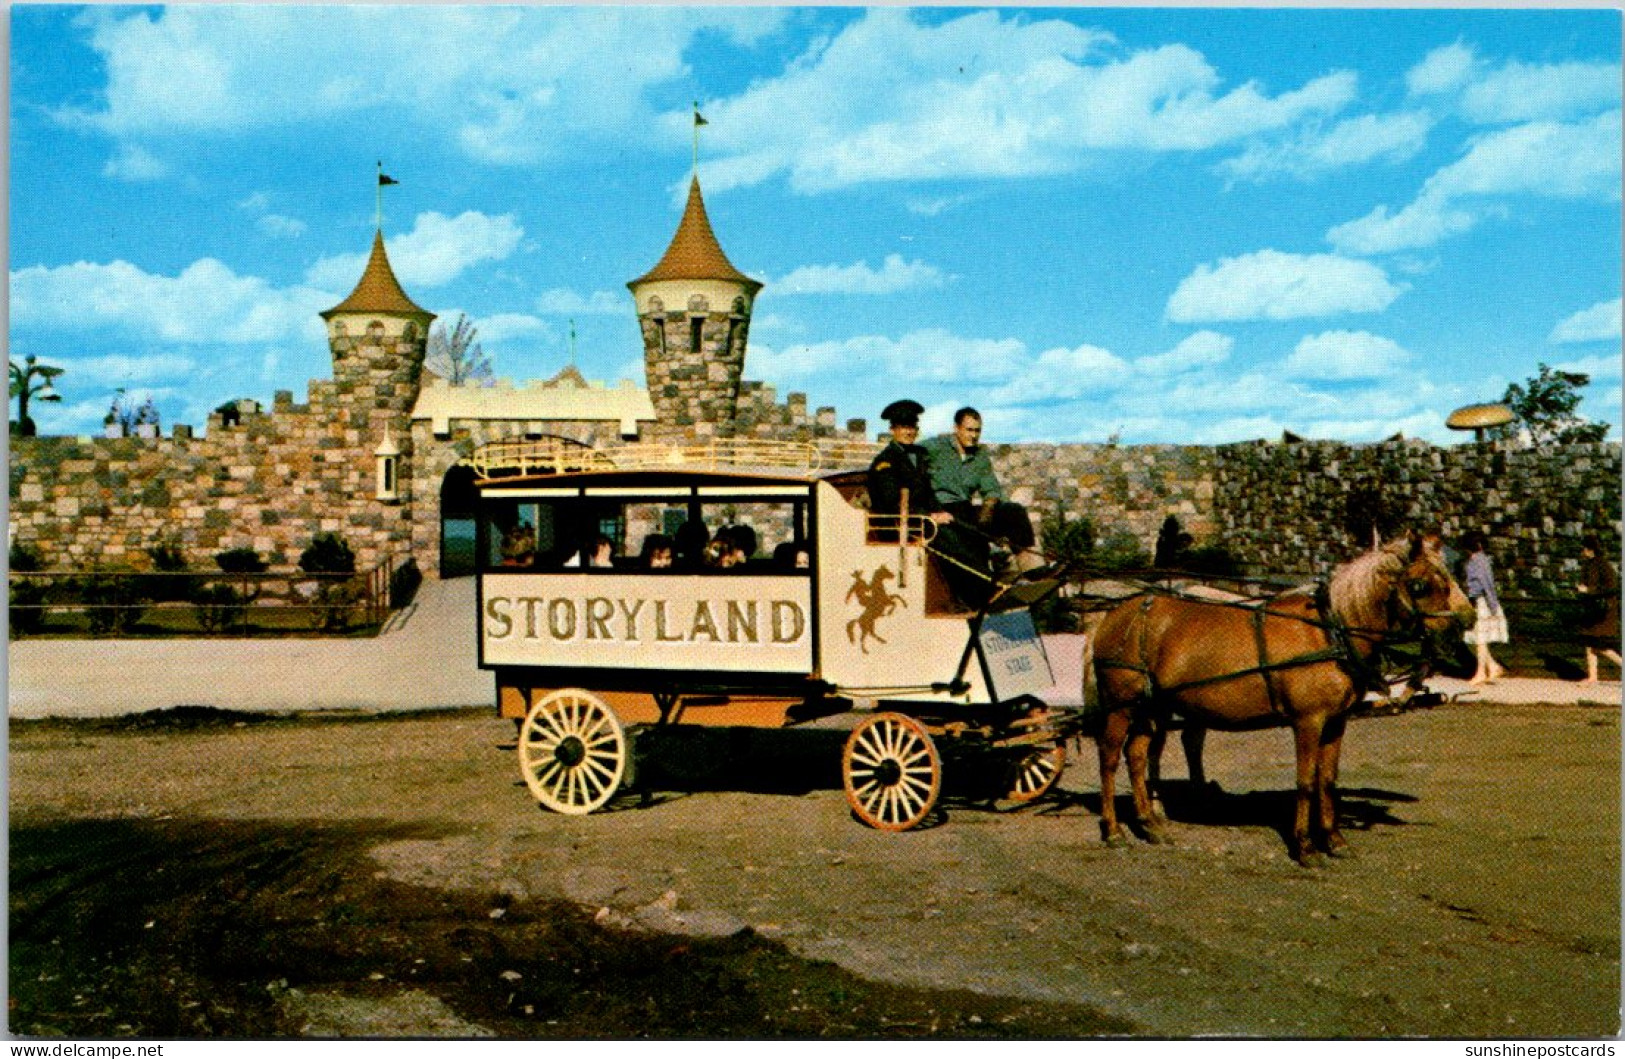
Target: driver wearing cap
x=902 y=470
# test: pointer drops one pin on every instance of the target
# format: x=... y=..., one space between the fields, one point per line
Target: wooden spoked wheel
x=1035 y=772
x=891 y=771
x=572 y=752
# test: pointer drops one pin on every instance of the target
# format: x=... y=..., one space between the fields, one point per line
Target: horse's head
x=1425 y=596
x=1401 y=588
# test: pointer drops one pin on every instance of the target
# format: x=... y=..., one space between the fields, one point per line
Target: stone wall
x=271 y=483
x=1121 y=489
x=1287 y=506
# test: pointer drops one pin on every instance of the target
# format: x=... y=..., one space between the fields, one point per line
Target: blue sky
x=1175 y=225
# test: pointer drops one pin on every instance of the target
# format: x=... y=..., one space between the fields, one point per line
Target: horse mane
x=1360 y=587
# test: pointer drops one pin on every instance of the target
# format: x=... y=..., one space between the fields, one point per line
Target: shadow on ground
x=220 y=929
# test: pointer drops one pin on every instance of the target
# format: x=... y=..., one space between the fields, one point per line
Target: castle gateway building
x=379 y=454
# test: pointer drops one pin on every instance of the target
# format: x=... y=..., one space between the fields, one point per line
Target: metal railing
x=123 y=603
x=548 y=456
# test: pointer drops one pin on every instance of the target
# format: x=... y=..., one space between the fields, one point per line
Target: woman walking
x=1599 y=587
x=1491 y=626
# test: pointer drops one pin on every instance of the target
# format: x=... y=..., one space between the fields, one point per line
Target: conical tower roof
x=694 y=252
x=379 y=291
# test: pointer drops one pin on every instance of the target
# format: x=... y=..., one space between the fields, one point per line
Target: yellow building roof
x=694 y=252
x=567 y=397
x=379 y=291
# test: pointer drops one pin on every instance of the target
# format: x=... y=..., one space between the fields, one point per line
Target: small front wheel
x=891 y=772
x=572 y=752
x=1035 y=772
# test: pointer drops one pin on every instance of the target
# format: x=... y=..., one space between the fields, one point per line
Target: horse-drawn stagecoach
x=854 y=612
x=838 y=609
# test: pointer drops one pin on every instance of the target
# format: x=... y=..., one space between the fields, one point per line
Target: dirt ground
x=199 y=875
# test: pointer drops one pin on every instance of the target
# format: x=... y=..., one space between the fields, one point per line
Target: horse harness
x=1365 y=674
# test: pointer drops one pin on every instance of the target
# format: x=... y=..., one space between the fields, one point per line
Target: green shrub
x=240 y=561
x=25 y=559
x=112 y=602
x=327 y=554
x=219 y=607
x=27 y=593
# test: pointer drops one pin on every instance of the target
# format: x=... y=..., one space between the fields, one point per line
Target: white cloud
x=1342 y=355
x=436 y=251
x=1543 y=159
x=508 y=84
x=1442 y=70
x=893 y=97
x=931 y=355
x=1599 y=323
x=933 y=206
x=278 y=225
x=1064 y=374
x=1316 y=151
x=205 y=302
x=1528 y=92
x=1515 y=91
x=1272 y=285
x=1203 y=349
x=1425 y=222
x=1604 y=367
x=562 y=302
x=894 y=275
x=136 y=164
x=117 y=369
x=502 y=328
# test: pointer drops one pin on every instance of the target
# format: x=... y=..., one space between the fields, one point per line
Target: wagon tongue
x=1023 y=594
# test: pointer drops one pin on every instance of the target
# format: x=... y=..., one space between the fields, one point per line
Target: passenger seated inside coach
x=689 y=546
x=599 y=554
x=518 y=545
x=657 y=552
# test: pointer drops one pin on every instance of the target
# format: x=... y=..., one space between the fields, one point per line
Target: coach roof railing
x=548 y=456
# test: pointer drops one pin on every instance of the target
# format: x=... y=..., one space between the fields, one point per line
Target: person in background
x=1491 y=626
x=966 y=487
x=1599 y=588
x=656 y=552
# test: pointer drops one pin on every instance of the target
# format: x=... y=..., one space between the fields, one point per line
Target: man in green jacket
x=903 y=469
x=966 y=487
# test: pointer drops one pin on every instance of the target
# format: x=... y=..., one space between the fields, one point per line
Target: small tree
x=31 y=380
x=1544 y=406
x=329 y=553
x=457 y=357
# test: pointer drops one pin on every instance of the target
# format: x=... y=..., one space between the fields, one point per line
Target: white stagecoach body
x=864 y=619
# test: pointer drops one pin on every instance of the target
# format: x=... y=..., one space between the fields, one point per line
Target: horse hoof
x=1339 y=849
x=1310 y=860
x=1116 y=840
x=1158 y=837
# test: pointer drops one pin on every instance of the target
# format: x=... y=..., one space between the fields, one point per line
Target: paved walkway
x=425 y=659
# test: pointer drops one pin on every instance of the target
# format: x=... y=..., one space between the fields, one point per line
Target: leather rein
x=1366 y=673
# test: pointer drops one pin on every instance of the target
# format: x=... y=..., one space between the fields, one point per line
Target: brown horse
x=1302 y=659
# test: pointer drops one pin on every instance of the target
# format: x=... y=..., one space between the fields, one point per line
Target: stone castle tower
x=694 y=308
x=378 y=338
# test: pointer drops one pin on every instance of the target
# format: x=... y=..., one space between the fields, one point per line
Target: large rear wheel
x=891 y=771
x=572 y=752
